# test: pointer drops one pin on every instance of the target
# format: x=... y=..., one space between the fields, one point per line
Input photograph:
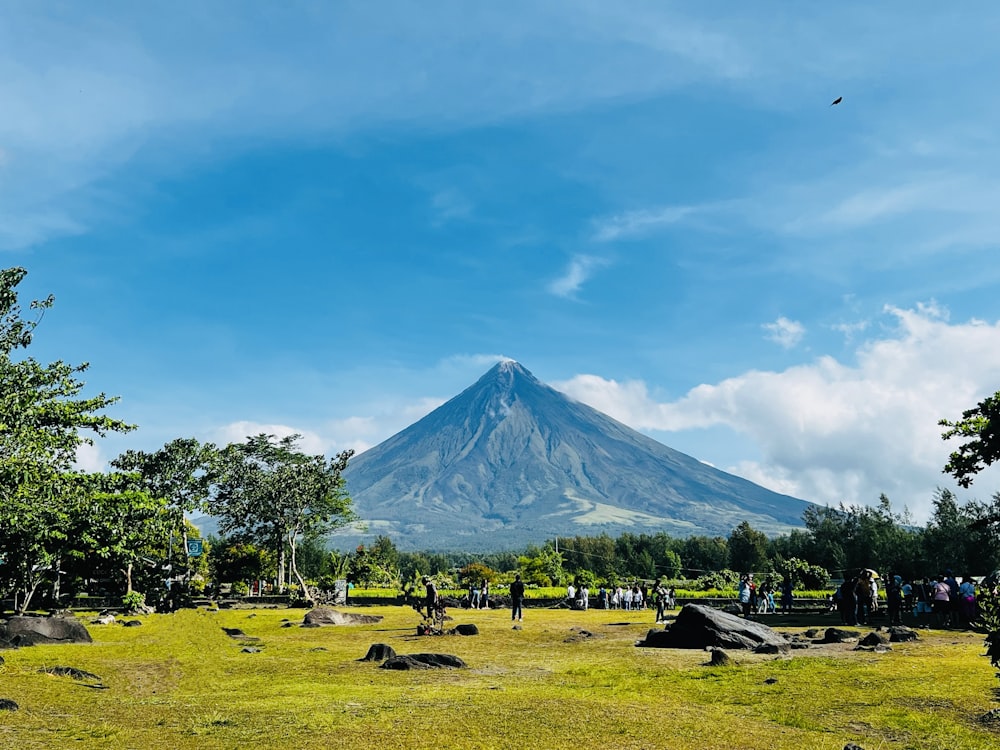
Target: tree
x=269 y=490
x=43 y=421
x=748 y=549
x=982 y=425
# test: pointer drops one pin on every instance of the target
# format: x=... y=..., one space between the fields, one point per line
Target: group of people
x=479 y=596
x=760 y=600
x=945 y=600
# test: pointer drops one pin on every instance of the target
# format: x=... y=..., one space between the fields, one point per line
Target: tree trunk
x=295 y=569
x=128 y=579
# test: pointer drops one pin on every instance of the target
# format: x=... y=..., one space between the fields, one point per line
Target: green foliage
x=803 y=574
x=133 y=601
x=720 y=580
x=748 y=549
x=232 y=561
x=544 y=568
x=475 y=573
x=981 y=425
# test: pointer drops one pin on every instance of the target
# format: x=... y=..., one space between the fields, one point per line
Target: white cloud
x=833 y=432
x=787 y=333
x=235 y=432
x=580 y=268
x=639 y=222
x=90 y=458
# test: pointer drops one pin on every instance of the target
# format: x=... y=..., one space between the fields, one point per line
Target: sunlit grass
x=179 y=682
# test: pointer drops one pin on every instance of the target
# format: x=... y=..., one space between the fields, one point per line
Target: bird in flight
x=838 y=100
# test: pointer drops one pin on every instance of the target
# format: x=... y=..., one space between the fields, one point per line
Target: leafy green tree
x=476 y=572
x=269 y=490
x=542 y=567
x=981 y=425
x=43 y=421
x=748 y=548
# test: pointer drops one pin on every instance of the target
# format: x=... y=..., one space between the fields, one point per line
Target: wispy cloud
x=638 y=223
x=580 y=268
x=785 y=332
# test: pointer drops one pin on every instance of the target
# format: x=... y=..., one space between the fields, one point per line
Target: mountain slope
x=511 y=460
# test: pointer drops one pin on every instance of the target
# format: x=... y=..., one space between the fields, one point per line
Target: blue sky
x=329 y=218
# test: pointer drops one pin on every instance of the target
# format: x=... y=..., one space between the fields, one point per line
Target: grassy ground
x=179 y=682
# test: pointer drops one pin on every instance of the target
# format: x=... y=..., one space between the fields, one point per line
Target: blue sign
x=194 y=547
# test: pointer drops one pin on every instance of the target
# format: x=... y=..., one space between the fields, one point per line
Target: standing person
x=941 y=602
x=584 y=594
x=660 y=596
x=744 y=595
x=484 y=595
x=430 y=597
x=786 y=595
x=516 y=599
x=473 y=595
x=570 y=594
x=966 y=602
x=894 y=600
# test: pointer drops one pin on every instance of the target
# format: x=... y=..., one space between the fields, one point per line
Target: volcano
x=511 y=461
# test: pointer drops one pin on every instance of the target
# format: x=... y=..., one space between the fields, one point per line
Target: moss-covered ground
x=179 y=681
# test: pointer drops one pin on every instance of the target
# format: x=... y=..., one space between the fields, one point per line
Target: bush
x=719 y=579
x=240 y=588
x=133 y=601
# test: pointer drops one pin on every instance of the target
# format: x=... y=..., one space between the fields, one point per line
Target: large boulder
x=326 y=616
x=22 y=630
x=703 y=627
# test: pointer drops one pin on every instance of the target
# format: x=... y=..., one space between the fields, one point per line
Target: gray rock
x=839 y=635
x=6 y=704
x=720 y=658
x=773 y=648
x=379 y=652
x=901 y=634
x=28 y=631
x=873 y=639
x=467 y=628
x=131 y=623
x=76 y=674
x=250 y=650
x=103 y=620
x=326 y=616
x=698 y=626
x=423 y=661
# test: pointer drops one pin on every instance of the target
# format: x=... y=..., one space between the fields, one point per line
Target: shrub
x=133 y=601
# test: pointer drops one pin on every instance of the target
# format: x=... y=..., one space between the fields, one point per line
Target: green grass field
x=179 y=682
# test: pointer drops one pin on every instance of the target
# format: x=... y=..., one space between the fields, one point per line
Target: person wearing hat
x=431 y=598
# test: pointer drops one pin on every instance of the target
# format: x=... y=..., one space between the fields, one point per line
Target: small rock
x=423 y=661
x=6 y=704
x=103 y=620
x=288 y=625
x=719 y=658
x=467 y=628
x=852 y=746
x=770 y=680
x=517 y=627
x=131 y=623
x=379 y=652
x=76 y=674
x=250 y=650
x=901 y=634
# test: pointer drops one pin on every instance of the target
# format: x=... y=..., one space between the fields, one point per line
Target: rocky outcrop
x=703 y=627
x=28 y=631
x=326 y=616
